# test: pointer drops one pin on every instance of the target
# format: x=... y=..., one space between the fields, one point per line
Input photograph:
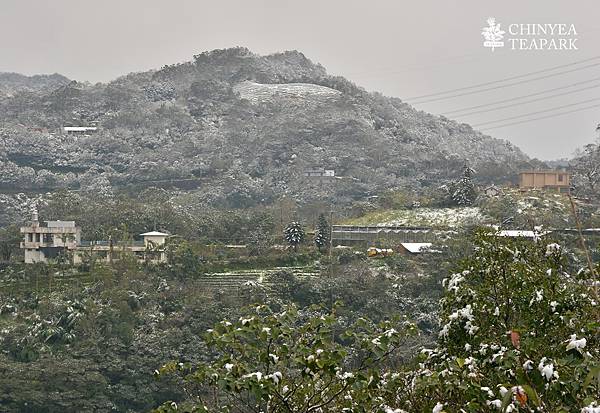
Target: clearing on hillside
x=259 y=92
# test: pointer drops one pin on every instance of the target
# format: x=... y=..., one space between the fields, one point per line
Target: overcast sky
x=398 y=47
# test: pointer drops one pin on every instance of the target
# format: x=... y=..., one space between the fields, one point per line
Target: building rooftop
x=544 y=171
x=79 y=128
x=60 y=224
x=521 y=233
x=154 y=234
x=416 y=247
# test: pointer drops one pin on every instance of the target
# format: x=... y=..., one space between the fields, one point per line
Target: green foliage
x=348 y=255
x=519 y=329
x=292 y=360
x=519 y=210
x=183 y=259
x=9 y=242
x=258 y=241
x=322 y=233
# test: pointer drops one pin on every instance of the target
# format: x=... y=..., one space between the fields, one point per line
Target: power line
x=527 y=101
x=521 y=97
x=540 y=117
x=508 y=84
x=535 y=113
x=505 y=79
x=426 y=65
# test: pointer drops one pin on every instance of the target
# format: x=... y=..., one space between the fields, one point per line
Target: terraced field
x=217 y=280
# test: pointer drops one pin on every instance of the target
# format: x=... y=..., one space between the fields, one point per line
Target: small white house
x=79 y=130
x=154 y=238
x=320 y=173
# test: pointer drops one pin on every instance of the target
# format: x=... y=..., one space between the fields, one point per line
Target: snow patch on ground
x=257 y=92
x=434 y=217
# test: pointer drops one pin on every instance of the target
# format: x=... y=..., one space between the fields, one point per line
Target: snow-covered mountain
x=235 y=129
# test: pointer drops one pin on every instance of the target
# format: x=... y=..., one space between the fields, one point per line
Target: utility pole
x=330 y=258
x=330 y=236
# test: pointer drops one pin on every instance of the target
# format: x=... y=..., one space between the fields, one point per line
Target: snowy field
x=435 y=217
x=257 y=92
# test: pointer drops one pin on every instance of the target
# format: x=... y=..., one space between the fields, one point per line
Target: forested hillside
x=15 y=83
x=234 y=129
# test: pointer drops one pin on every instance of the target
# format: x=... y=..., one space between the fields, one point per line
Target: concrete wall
x=33 y=256
x=154 y=239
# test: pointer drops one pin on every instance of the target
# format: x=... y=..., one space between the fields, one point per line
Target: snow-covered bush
x=520 y=332
x=291 y=361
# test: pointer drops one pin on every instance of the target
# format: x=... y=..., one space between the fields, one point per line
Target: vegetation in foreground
x=100 y=331
x=520 y=333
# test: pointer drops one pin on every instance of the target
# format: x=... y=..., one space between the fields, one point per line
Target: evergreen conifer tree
x=294 y=234
x=322 y=233
x=463 y=191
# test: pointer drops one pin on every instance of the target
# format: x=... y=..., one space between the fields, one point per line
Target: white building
x=320 y=173
x=45 y=241
x=79 y=130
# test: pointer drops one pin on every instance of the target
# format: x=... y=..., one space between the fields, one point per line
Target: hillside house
x=80 y=130
x=553 y=180
x=47 y=240
x=319 y=173
x=50 y=239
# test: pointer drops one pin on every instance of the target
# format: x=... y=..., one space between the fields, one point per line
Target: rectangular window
x=560 y=178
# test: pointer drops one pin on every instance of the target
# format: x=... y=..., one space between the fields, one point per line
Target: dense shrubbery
x=292 y=360
x=520 y=333
x=120 y=322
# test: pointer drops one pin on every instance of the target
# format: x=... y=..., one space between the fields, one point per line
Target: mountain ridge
x=245 y=126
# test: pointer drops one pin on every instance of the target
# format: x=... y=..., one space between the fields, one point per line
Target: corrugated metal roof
x=154 y=234
x=60 y=224
x=521 y=233
x=416 y=247
x=79 y=128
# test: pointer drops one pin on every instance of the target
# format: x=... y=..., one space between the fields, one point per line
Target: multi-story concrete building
x=43 y=241
x=559 y=181
x=50 y=239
